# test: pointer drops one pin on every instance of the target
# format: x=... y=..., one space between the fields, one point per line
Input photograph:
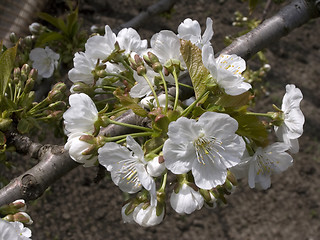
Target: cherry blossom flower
x=187 y=200
x=166 y=46
x=100 y=47
x=190 y=30
x=207 y=147
x=147 y=217
x=82 y=70
x=156 y=168
x=130 y=41
x=81 y=115
x=13 y=231
x=292 y=126
x=142 y=88
x=128 y=168
x=266 y=161
x=44 y=60
x=226 y=71
x=77 y=147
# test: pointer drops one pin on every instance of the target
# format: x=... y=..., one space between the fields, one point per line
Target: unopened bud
x=22 y=217
x=5 y=123
x=141 y=70
x=13 y=38
x=28 y=41
x=150 y=59
x=80 y=87
x=157 y=67
x=35 y=28
x=87 y=138
x=20 y=205
x=29 y=85
x=56 y=114
x=25 y=70
x=33 y=74
x=9 y=218
x=16 y=75
x=57 y=92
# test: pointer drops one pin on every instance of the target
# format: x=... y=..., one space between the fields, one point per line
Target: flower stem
x=177 y=89
x=259 y=114
x=152 y=89
x=185 y=85
x=163 y=183
x=122 y=138
x=189 y=108
x=129 y=125
x=165 y=91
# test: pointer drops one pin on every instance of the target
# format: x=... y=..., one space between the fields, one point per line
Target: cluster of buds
x=16 y=212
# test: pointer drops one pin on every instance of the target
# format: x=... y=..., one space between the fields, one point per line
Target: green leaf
x=72 y=20
x=6 y=65
x=130 y=103
x=48 y=37
x=198 y=73
x=234 y=101
x=253 y=128
x=57 y=22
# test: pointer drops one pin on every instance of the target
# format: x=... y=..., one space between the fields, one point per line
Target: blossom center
x=207 y=148
x=128 y=171
x=265 y=165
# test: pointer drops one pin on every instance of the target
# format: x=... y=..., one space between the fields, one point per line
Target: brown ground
x=76 y=209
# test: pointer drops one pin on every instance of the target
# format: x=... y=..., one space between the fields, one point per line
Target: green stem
x=126 y=65
x=259 y=114
x=177 y=89
x=152 y=89
x=189 y=108
x=119 y=76
x=120 y=137
x=185 y=85
x=163 y=183
x=130 y=125
x=115 y=112
x=165 y=91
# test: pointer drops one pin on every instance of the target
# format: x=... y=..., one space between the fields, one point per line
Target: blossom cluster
x=205 y=142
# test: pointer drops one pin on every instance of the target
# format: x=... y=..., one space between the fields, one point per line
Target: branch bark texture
x=292 y=16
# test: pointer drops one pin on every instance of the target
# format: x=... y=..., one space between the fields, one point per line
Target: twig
x=159 y=7
x=265 y=10
x=292 y=16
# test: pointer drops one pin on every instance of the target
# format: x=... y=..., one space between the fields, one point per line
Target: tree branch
x=292 y=16
x=158 y=7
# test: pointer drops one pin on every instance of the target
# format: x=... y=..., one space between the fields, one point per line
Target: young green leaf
x=198 y=73
x=6 y=65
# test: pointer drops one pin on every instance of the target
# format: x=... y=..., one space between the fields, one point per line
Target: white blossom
x=130 y=41
x=83 y=66
x=81 y=115
x=77 y=147
x=155 y=168
x=147 y=217
x=190 y=30
x=126 y=218
x=265 y=162
x=142 y=88
x=100 y=47
x=13 y=231
x=207 y=147
x=44 y=60
x=187 y=200
x=226 y=71
x=166 y=46
x=127 y=167
x=292 y=126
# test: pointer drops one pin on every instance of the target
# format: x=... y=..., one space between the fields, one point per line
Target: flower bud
x=23 y=218
x=35 y=28
x=57 y=92
x=60 y=105
x=5 y=123
x=16 y=75
x=20 y=205
x=29 y=85
x=25 y=70
x=80 y=87
x=155 y=168
x=150 y=59
x=13 y=38
x=141 y=70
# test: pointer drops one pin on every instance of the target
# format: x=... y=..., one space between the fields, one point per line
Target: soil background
x=75 y=208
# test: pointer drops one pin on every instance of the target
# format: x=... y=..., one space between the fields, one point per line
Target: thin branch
x=158 y=7
x=287 y=19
